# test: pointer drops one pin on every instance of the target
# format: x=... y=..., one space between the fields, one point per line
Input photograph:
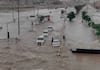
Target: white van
x=50 y=28
x=40 y=40
x=56 y=43
x=45 y=33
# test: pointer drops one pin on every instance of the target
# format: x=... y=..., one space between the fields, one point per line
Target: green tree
x=87 y=18
x=97 y=28
x=71 y=16
x=98 y=32
x=91 y=24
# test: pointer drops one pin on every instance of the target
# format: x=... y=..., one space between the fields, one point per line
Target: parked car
x=50 y=28
x=45 y=33
x=40 y=40
x=56 y=43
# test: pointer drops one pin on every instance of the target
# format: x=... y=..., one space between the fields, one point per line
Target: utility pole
x=38 y=2
x=94 y=3
x=13 y=11
x=18 y=18
x=33 y=7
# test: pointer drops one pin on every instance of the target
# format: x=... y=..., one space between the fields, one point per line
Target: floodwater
x=24 y=54
x=86 y=62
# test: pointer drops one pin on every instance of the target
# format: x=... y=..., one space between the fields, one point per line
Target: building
x=26 y=2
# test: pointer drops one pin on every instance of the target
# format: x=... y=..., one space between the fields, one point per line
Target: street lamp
x=38 y=8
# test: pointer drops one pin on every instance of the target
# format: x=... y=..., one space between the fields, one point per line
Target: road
x=24 y=54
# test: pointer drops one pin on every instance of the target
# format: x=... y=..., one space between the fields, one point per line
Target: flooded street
x=86 y=61
x=25 y=54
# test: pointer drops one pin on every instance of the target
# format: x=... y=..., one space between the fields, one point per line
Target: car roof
x=46 y=30
x=56 y=40
x=50 y=26
x=41 y=36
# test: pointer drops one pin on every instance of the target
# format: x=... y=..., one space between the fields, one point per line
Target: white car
x=56 y=43
x=50 y=28
x=45 y=33
x=40 y=39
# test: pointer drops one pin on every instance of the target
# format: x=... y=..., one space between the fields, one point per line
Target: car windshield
x=45 y=32
x=40 y=39
x=49 y=27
